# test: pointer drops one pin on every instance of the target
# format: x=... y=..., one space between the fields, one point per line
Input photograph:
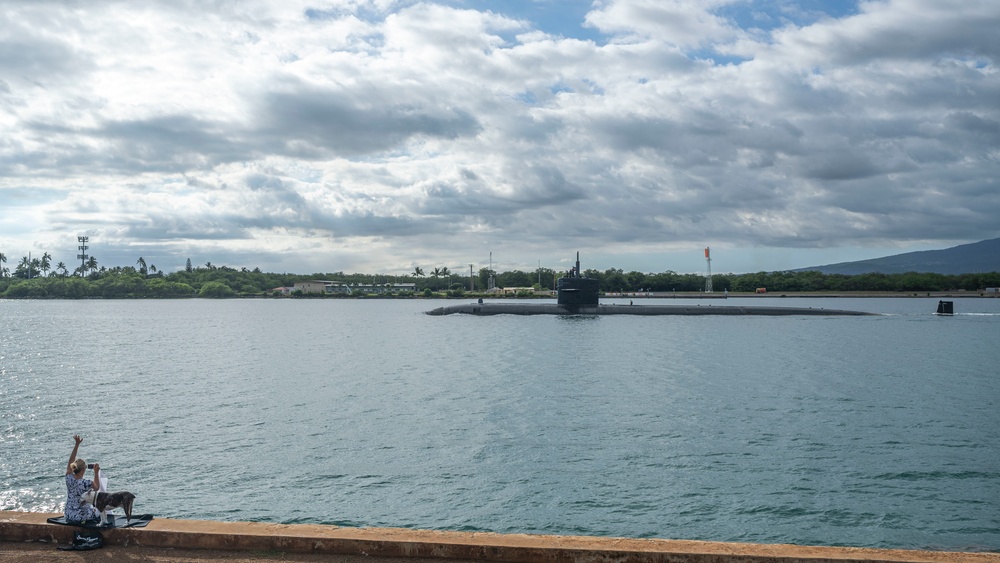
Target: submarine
x=578 y=295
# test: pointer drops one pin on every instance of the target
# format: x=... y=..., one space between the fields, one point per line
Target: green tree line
x=615 y=280
x=41 y=280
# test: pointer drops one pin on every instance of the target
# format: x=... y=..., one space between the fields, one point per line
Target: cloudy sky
x=380 y=135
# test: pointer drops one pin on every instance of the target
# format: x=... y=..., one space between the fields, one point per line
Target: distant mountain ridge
x=976 y=257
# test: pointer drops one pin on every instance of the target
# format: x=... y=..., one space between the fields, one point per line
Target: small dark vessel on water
x=946 y=308
x=578 y=295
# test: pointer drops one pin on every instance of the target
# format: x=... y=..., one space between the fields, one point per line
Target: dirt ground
x=43 y=552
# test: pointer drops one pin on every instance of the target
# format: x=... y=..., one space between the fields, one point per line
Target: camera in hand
x=90 y=466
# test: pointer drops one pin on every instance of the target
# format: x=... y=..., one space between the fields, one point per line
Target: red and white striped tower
x=708 y=276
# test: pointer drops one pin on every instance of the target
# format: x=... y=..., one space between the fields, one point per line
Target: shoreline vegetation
x=224 y=282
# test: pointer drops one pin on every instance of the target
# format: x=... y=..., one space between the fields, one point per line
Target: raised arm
x=97 y=477
x=72 y=456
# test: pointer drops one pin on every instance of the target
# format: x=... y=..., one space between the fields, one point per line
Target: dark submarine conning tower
x=575 y=290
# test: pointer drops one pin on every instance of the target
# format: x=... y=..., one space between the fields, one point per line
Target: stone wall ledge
x=465 y=546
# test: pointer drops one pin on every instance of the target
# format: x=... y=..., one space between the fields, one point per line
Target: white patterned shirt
x=75 y=511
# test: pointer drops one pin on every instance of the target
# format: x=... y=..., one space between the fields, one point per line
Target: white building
x=383 y=288
x=321 y=286
x=331 y=287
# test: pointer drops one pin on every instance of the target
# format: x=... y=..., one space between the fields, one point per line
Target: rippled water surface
x=868 y=431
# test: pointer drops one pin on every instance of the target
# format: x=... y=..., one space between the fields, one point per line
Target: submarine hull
x=486 y=309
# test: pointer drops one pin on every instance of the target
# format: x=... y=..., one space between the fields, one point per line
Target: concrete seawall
x=464 y=546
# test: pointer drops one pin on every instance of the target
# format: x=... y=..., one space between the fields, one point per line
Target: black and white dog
x=102 y=501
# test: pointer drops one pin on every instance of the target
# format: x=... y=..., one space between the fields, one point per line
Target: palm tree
x=142 y=265
x=46 y=262
x=92 y=264
x=3 y=260
x=418 y=272
x=24 y=267
x=152 y=268
x=61 y=269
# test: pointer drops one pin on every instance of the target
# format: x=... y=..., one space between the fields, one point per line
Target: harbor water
x=874 y=431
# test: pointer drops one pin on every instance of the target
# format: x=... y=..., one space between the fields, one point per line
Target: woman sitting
x=76 y=485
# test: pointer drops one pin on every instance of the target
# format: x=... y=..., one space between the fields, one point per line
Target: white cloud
x=365 y=136
x=685 y=23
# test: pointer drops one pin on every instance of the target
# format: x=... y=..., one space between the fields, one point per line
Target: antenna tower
x=708 y=276
x=83 y=253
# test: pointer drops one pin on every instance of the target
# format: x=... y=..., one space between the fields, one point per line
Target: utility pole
x=472 y=285
x=492 y=283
